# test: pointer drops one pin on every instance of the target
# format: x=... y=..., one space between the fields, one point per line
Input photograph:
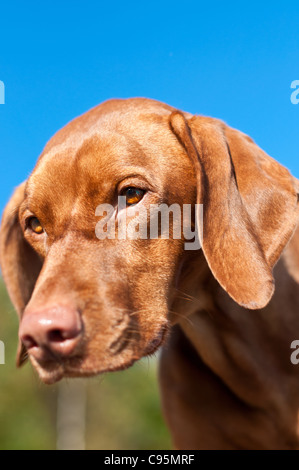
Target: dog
x=88 y=305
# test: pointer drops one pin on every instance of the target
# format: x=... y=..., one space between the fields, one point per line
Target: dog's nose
x=51 y=332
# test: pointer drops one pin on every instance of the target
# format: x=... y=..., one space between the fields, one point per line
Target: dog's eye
x=133 y=195
x=35 y=225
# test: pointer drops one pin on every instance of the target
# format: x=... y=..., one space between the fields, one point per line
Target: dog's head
x=92 y=295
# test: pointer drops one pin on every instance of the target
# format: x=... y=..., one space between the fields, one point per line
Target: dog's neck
x=193 y=289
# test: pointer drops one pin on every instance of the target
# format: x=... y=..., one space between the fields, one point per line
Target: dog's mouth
x=54 y=369
x=155 y=344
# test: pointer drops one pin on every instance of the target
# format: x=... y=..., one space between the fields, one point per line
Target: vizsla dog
x=89 y=305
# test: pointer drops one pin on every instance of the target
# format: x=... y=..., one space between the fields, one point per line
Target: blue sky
x=223 y=59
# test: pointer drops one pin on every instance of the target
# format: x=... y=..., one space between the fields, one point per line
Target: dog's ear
x=20 y=264
x=250 y=206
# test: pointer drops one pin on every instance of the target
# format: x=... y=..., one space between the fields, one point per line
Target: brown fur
x=226 y=376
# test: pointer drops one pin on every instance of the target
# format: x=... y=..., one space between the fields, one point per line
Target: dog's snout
x=55 y=330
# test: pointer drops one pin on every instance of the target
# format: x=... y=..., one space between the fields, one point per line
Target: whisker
x=187 y=296
x=184 y=317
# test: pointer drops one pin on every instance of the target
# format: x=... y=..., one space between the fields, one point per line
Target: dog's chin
x=50 y=373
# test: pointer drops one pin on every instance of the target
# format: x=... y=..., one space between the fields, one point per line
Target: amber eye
x=133 y=195
x=35 y=225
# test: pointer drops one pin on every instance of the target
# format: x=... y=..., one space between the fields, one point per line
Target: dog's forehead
x=95 y=151
x=113 y=115
x=105 y=140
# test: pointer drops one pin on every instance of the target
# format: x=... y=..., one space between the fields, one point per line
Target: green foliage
x=123 y=408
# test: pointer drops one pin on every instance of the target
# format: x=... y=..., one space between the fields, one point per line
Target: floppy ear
x=250 y=206
x=20 y=264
